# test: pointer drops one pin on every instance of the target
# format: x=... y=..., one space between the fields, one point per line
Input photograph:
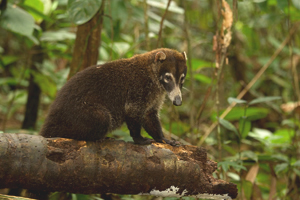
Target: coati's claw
x=170 y=142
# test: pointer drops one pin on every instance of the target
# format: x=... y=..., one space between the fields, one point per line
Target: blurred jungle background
x=241 y=99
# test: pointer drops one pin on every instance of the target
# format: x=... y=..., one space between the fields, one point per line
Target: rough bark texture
x=86 y=48
x=109 y=166
x=34 y=91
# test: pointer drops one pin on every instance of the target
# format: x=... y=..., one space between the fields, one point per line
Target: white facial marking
x=182 y=78
x=185 y=55
x=175 y=92
x=169 y=77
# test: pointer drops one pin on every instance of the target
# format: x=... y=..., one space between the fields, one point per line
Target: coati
x=100 y=98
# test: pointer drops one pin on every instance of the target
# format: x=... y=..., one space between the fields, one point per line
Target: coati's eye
x=168 y=77
x=182 y=78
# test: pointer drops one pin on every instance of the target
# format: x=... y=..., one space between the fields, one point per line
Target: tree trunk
x=34 y=91
x=108 y=166
x=88 y=39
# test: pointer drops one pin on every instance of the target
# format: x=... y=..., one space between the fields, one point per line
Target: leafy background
x=256 y=144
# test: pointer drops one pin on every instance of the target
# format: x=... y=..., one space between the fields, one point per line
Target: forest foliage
x=257 y=142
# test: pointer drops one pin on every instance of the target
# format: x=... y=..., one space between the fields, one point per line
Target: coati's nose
x=177 y=101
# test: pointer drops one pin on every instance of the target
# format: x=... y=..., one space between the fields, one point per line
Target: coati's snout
x=177 y=101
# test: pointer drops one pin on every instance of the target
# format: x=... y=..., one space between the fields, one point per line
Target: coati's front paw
x=170 y=142
x=142 y=140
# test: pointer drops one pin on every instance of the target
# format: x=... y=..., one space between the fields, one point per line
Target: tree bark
x=108 y=166
x=87 y=42
x=34 y=91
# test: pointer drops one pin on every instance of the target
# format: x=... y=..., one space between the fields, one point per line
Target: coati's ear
x=184 y=55
x=160 y=56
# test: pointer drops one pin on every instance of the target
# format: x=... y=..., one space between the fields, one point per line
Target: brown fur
x=101 y=98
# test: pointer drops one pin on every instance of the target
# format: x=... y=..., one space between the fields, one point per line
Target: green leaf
x=59 y=35
x=38 y=15
x=296 y=3
x=46 y=84
x=17 y=20
x=244 y=126
x=13 y=81
x=262 y=4
x=281 y=157
x=281 y=167
x=296 y=171
x=282 y=4
x=253 y=113
x=297 y=163
x=234 y=176
x=227 y=164
x=178 y=127
x=283 y=136
x=249 y=154
x=226 y=124
x=283 y=82
x=290 y=123
x=261 y=135
x=121 y=47
x=34 y=7
x=229 y=148
x=82 y=11
x=263 y=157
x=81 y=196
x=198 y=64
x=264 y=99
x=238 y=101
x=259 y=1
x=163 y=4
x=247 y=186
x=6 y=60
x=201 y=78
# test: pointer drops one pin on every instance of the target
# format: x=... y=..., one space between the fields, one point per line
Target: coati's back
x=74 y=113
x=99 y=99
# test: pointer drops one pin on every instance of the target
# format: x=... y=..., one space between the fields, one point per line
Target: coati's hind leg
x=135 y=131
x=98 y=124
x=90 y=123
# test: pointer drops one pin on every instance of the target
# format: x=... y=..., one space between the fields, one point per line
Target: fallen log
x=108 y=166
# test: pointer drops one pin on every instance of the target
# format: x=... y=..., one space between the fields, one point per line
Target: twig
x=147 y=43
x=190 y=69
x=207 y=94
x=222 y=42
x=252 y=82
x=112 y=31
x=235 y=10
x=161 y=24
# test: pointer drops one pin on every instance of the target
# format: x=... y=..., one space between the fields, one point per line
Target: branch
x=110 y=166
x=147 y=42
x=190 y=69
x=161 y=24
